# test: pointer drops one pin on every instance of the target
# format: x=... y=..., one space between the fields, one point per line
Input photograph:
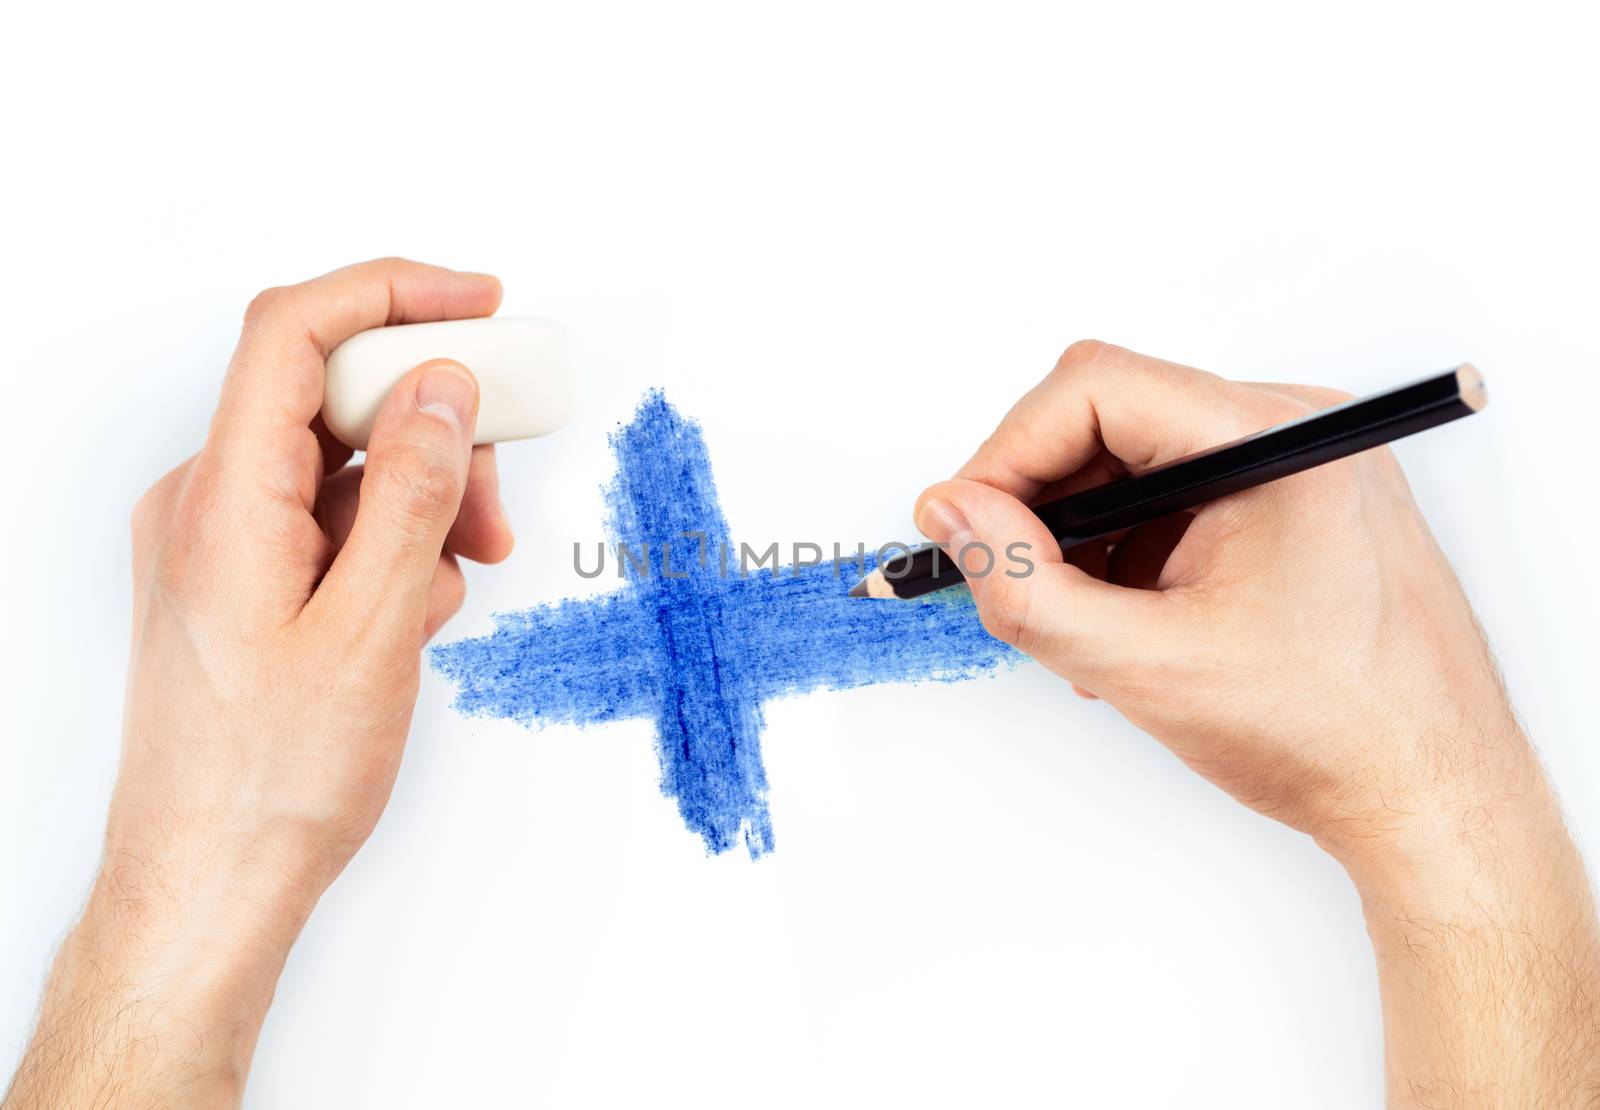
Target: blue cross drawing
x=697 y=642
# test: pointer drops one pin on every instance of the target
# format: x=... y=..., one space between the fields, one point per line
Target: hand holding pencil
x=1207 y=627
x=1304 y=645
x=1133 y=500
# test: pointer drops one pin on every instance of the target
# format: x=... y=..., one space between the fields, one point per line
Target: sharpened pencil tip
x=874 y=585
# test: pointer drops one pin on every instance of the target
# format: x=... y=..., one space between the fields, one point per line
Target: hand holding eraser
x=527 y=376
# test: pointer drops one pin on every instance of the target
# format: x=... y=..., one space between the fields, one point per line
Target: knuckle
x=1081 y=355
x=451 y=590
x=199 y=496
x=420 y=483
x=178 y=566
x=157 y=516
x=266 y=305
x=181 y=566
x=173 y=570
x=379 y=270
x=1007 y=615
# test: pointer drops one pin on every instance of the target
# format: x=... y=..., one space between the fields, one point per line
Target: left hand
x=281 y=600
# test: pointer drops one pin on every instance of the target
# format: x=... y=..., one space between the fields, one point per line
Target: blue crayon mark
x=694 y=644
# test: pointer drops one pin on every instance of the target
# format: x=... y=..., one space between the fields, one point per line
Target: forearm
x=159 y=992
x=279 y=601
x=1484 y=929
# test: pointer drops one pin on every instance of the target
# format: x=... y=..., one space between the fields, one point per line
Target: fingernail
x=486 y=278
x=942 y=522
x=448 y=392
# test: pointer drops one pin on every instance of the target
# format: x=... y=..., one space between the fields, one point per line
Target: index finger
x=274 y=385
x=1144 y=411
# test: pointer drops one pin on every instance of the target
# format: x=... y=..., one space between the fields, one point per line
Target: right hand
x=1304 y=645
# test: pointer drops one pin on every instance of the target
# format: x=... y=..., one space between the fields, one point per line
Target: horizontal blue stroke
x=697 y=646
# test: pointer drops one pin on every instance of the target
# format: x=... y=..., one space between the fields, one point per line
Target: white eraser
x=527 y=376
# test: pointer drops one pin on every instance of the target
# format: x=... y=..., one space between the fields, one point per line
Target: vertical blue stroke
x=697 y=646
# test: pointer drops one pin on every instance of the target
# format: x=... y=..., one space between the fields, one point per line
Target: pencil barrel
x=1187 y=483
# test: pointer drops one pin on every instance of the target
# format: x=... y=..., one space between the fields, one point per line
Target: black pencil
x=1186 y=483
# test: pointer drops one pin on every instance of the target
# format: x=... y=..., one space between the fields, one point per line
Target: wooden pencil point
x=873 y=585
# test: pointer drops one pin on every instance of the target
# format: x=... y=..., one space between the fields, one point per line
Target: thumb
x=411 y=487
x=1080 y=627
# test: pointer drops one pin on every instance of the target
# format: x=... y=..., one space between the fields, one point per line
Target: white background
x=989 y=894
